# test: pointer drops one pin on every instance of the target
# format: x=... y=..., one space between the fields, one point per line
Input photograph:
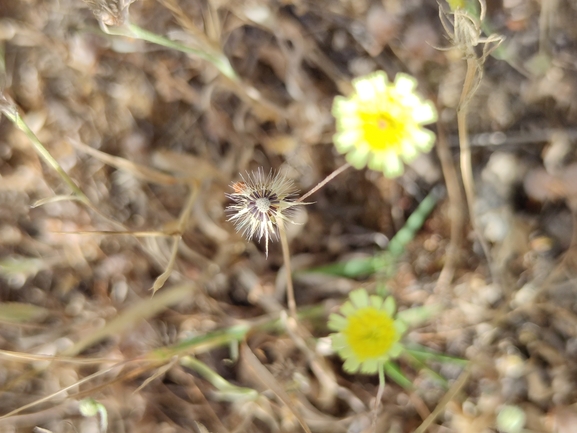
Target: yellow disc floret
x=370 y=333
x=367 y=334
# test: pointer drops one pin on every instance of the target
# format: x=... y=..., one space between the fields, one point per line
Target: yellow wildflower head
x=381 y=123
x=367 y=335
x=456 y=4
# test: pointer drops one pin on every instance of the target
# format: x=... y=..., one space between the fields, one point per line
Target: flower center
x=370 y=333
x=381 y=131
x=262 y=204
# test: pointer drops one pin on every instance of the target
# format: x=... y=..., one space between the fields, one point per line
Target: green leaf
x=394 y=372
x=350 y=269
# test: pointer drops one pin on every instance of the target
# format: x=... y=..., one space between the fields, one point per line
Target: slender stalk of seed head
x=291 y=302
x=380 y=393
x=290 y=293
x=325 y=181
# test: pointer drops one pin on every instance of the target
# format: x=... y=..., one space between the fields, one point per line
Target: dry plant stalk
x=262 y=375
x=456 y=212
x=291 y=302
x=452 y=393
x=464 y=31
x=110 y=12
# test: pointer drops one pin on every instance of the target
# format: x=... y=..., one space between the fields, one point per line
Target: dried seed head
x=110 y=12
x=259 y=202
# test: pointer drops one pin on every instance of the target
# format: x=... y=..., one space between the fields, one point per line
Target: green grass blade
x=394 y=372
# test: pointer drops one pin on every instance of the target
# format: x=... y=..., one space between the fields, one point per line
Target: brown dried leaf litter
x=153 y=137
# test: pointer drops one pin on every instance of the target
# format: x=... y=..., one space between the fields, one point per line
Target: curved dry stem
x=469 y=87
x=324 y=181
x=379 y=396
x=456 y=210
x=63 y=390
x=182 y=223
x=292 y=306
x=260 y=373
x=450 y=395
x=11 y=112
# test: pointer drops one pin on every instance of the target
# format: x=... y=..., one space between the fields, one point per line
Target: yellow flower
x=367 y=335
x=456 y=4
x=380 y=124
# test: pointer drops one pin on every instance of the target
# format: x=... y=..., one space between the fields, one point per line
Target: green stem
x=219 y=60
x=227 y=390
x=12 y=114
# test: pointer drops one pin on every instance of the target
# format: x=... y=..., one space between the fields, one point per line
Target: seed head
x=259 y=203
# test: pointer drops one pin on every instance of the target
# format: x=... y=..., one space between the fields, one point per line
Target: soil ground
x=146 y=140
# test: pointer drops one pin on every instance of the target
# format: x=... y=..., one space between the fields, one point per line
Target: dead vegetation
x=124 y=124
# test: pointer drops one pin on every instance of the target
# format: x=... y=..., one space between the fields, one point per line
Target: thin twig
x=290 y=294
x=182 y=223
x=469 y=87
x=380 y=393
x=456 y=212
x=325 y=181
x=450 y=395
x=265 y=377
x=11 y=112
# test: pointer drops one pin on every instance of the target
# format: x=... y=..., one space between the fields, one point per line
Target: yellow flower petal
x=358 y=158
x=405 y=83
x=338 y=341
x=366 y=88
x=423 y=139
x=352 y=365
x=347 y=309
x=370 y=366
x=377 y=302
x=336 y=322
x=347 y=139
x=393 y=167
x=425 y=113
x=389 y=306
x=343 y=106
x=359 y=298
x=409 y=151
x=350 y=122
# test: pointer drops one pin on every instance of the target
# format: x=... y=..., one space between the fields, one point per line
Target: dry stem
x=456 y=211
x=325 y=181
x=457 y=386
x=292 y=306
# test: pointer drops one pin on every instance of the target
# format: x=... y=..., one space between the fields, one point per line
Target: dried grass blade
x=60 y=391
x=182 y=223
x=140 y=311
x=265 y=377
x=145 y=173
x=11 y=112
